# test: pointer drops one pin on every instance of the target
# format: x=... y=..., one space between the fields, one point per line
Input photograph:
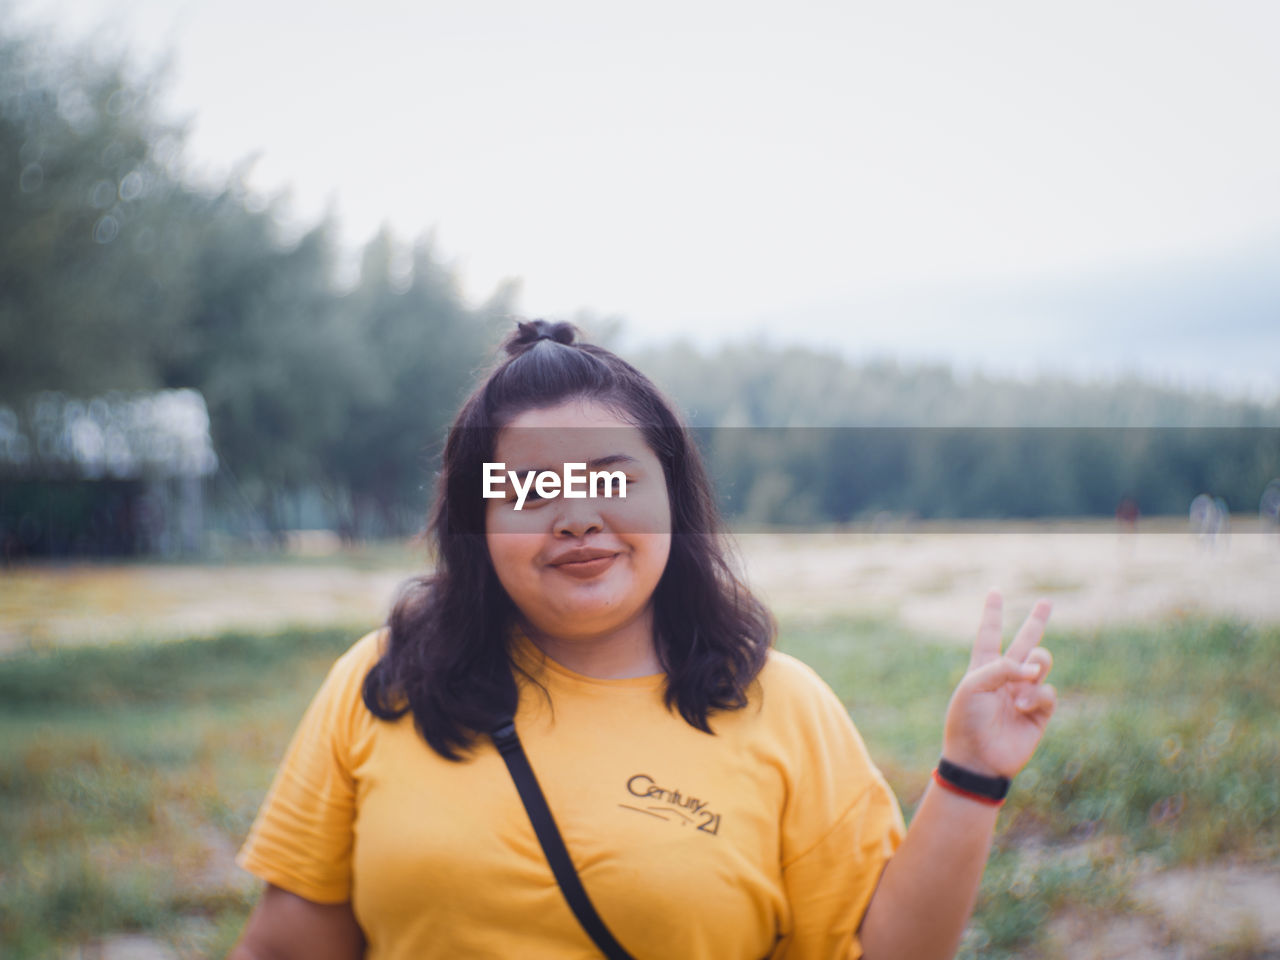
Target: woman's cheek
x=646 y=512
x=504 y=519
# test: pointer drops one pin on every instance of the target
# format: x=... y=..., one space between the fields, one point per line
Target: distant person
x=1127 y=514
x=713 y=798
x=1208 y=516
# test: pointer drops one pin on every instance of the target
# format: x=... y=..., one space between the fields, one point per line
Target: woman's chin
x=586 y=617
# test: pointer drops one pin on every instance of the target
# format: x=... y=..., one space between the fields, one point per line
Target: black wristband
x=993 y=788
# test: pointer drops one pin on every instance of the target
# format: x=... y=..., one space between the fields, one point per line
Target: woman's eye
x=532 y=497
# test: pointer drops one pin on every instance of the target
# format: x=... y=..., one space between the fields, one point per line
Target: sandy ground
x=84 y=603
x=933 y=579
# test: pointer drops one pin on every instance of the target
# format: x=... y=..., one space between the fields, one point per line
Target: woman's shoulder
x=346 y=676
x=365 y=652
x=784 y=672
x=788 y=683
x=808 y=723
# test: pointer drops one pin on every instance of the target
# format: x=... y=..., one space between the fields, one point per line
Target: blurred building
x=114 y=475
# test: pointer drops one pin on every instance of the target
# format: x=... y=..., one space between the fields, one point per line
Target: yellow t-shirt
x=765 y=840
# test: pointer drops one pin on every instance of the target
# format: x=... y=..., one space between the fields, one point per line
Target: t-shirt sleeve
x=302 y=837
x=842 y=826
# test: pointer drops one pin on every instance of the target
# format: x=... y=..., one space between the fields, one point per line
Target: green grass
x=129 y=773
x=230 y=668
x=1165 y=747
x=126 y=772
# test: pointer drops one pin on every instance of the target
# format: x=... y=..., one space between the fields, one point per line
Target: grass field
x=1164 y=753
x=130 y=774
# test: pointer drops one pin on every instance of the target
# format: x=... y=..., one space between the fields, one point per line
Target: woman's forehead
x=578 y=430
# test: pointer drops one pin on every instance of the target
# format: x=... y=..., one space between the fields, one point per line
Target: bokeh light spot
x=106 y=229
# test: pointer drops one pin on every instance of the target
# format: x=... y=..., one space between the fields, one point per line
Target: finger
x=1039 y=699
x=1000 y=671
x=1031 y=632
x=1044 y=659
x=986 y=646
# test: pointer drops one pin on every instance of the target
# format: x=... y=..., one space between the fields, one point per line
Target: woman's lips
x=586 y=569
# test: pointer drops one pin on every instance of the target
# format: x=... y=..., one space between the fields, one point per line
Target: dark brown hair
x=447 y=659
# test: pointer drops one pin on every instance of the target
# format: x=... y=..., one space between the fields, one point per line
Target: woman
x=713 y=795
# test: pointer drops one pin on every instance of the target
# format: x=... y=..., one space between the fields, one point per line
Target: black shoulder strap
x=544 y=825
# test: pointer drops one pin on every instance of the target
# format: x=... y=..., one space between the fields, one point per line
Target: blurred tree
x=117 y=273
x=265 y=344
x=84 y=260
x=414 y=348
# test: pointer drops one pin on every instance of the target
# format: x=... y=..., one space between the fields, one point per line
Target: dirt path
x=933 y=581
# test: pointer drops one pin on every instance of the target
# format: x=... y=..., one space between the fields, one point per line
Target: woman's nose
x=577 y=518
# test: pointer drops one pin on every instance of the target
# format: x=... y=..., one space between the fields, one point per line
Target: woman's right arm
x=285 y=926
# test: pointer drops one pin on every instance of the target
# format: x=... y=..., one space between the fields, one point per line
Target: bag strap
x=544 y=825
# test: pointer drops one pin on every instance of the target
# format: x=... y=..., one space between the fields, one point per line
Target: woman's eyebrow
x=610 y=460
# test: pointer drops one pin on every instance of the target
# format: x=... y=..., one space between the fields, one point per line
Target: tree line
x=799 y=436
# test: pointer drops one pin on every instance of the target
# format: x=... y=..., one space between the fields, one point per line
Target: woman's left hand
x=1000 y=708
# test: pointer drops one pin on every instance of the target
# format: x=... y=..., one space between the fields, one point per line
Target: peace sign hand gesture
x=1000 y=708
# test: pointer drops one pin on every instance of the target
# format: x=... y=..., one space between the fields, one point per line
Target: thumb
x=994 y=675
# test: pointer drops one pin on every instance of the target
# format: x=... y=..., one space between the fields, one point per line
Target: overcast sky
x=1017 y=186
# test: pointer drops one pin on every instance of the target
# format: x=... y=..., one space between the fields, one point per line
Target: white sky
x=698 y=168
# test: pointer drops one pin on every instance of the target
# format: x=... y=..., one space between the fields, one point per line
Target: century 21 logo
x=666 y=803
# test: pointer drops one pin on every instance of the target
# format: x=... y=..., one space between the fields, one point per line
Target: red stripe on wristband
x=946 y=785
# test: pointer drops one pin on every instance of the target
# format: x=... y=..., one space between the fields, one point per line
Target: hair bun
x=529 y=332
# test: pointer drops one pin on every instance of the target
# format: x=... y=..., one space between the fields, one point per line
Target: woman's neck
x=627 y=651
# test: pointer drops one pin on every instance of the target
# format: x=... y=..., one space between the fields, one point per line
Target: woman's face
x=579 y=567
